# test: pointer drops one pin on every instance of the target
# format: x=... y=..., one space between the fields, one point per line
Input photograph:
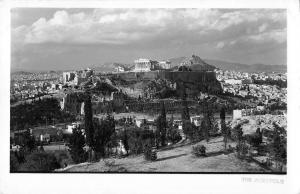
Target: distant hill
x=247 y=68
x=20 y=72
x=110 y=66
x=235 y=66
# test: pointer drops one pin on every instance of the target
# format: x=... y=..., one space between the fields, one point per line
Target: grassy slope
x=177 y=159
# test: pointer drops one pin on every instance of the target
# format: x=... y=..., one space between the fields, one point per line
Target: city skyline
x=58 y=39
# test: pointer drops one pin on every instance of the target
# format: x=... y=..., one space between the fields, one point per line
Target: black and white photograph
x=148 y=90
x=149 y=97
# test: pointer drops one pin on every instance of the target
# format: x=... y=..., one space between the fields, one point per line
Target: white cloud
x=278 y=36
x=121 y=26
x=220 y=45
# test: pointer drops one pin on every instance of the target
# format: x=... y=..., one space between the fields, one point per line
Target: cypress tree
x=238 y=132
x=162 y=125
x=185 y=115
x=104 y=131
x=224 y=128
x=207 y=123
x=88 y=121
x=76 y=146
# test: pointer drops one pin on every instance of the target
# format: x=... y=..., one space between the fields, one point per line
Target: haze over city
x=59 y=39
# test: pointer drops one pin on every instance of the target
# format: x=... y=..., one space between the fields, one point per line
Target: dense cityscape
x=152 y=111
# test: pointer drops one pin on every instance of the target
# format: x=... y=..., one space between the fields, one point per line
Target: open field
x=176 y=159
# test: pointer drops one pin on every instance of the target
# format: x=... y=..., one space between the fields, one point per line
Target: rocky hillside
x=195 y=63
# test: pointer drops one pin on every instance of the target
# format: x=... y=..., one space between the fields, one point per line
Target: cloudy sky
x=58 y=39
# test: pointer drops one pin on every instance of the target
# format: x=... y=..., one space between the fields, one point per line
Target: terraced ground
x=174 y=159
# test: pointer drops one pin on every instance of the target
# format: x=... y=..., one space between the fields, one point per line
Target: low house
x=69 y=128
x=140 y=121
x=196 y=120
x=45 y=137
x=45 y=134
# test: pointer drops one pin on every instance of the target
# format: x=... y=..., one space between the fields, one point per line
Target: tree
x=224 y=128
x=173 y=135
x=207 y=125
x=238 y=134
x=224 y=131
x=193 y=132
x=185 y=115
x=76 y=144
x=255 y=139
x=161 y=123
x=279 y=145
x=103 y=135
x=29 y=142
x=124 y=139
x=205 y=128
x=223 y=113
x=149 y=153
x=88 y=121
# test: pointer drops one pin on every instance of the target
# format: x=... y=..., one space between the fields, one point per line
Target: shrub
x=148 y=154
x=199 y=150
x=173 y=135
x=268 y=162
x=192 y=132
x=64 y=158
x=255 y=139
x=40 y=162
x=137 y=139
x=230 y=148
x=242 y=150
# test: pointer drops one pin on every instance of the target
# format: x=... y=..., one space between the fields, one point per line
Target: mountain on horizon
x=233 y=66
x=110 y=66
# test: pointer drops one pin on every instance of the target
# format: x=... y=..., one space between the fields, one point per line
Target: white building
x=119 y=69
x=237 y=114
x=242 y=113
x=164 y=64
x=196 y=120
x=140 y=121
x=44 y=137
x=69 y=129
x=143 y=65
x=233 y=81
